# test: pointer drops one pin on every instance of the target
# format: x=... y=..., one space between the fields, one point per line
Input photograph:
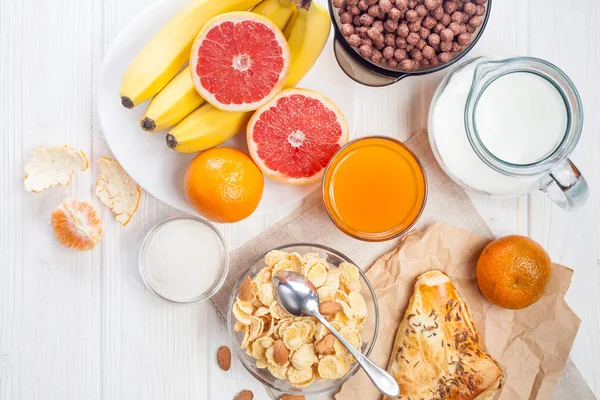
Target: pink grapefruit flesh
x=293 y=137
x=239 y=61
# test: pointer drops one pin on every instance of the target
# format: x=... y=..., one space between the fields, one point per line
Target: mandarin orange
x=224 y=185
x=512 y=272
x=76 y=224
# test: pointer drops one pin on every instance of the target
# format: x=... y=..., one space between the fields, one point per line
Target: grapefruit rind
x=76 y=224
x=51 y=166
x=253 y=146
x=116 y=190
x=237 y=17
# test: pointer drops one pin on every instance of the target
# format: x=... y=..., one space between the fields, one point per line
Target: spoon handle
x=380 y=378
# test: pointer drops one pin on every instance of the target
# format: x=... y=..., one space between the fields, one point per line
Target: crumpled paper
x=531 y=345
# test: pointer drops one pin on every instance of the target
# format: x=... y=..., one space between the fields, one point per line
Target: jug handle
x=566 y=186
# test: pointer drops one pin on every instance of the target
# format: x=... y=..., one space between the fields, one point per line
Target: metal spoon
x=299 y=297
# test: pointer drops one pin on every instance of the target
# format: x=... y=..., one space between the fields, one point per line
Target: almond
x=244 y=395
x=325 y=346
x=291 y=397
x=224 y=358
x=280 y=352
x=330 y=308
x=246 y=291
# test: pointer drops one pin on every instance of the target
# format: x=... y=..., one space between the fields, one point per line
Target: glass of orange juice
x=374 y=188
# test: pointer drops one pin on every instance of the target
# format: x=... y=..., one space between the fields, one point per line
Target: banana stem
x=305 y=4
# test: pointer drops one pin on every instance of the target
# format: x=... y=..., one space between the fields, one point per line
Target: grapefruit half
x=239 y=61
x=293 y=137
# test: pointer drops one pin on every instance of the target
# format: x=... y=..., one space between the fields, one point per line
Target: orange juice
x=374 y=188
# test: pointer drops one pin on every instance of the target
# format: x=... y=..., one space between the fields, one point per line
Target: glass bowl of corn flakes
x=298 y=355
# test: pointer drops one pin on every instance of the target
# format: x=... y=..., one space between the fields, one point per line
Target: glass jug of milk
x=506 y=127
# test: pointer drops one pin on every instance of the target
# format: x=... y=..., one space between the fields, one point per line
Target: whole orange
x=224 y=185
x=512 y=272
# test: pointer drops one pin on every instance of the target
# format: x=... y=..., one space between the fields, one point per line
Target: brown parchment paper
x=531 y=345
x=447 y=203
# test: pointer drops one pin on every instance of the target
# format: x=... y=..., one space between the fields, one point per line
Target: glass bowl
x=199 y=297
x=369 y=333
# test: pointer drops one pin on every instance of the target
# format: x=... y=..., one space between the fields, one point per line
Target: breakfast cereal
x=301 y=349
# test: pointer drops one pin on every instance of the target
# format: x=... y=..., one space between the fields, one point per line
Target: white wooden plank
x=573 y=239
x=144 y=339
x=50 y=295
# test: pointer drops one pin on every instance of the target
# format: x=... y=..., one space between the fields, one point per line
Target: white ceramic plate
x=146 y=157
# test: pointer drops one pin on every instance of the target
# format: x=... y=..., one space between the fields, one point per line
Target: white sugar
x=183 y=259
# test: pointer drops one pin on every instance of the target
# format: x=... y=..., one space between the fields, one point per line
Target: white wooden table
x=82 y=326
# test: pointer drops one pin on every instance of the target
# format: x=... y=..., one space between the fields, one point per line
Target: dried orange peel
x=77 y=225
x=116 y=190
x=50 y=166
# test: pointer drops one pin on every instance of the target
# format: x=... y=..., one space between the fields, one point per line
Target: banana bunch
x=207 y=126
x=179 y=98
x=169 y=50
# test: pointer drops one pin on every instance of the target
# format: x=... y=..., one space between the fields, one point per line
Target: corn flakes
x=262 y=320
x=317 y=274
x=329 y=367
x=297 y=262
x=308 y=257
x=264 y=276
x=283 y=265
x=277 y=311
x=358 y=305
x=301 y=377
x=240 y=315
x=304 y=357
x=282 y=326
x=349 y=276
x=294 y=335
x=333 y=279
x=278 y=371
x=262 y=311
x=256 y=328
x=265 y=294
x=325 y=293
x=274 y=256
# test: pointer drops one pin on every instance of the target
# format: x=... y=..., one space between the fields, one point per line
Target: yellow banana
x=206 y=127
x=179 y=98
x=307 y=35
x=280 y=12
x=172 y=104
x=164 y=55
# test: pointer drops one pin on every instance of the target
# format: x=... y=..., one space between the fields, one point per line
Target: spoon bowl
x=297 y=295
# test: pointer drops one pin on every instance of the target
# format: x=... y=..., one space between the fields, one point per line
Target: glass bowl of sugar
x=184 y=260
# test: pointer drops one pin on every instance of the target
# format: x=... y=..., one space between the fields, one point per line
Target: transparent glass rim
x=305 y=390
x=201 y=297
x=561 y=82
x=383 y=236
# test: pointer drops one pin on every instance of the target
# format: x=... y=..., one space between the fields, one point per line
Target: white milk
x=521 y=118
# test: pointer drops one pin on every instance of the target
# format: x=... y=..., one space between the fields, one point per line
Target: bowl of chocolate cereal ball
x=378 y=42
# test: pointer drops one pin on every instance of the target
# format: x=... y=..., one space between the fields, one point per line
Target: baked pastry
x=438 y=353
